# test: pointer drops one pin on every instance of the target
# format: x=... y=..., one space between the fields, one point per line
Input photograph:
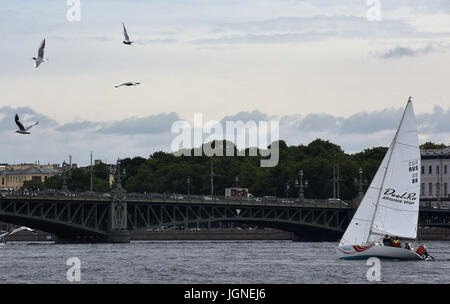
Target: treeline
x=166 y=173
x=78 y=180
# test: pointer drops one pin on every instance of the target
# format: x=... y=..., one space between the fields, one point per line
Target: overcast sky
x=319 y=66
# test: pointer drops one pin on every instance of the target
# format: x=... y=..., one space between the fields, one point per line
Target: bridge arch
x=306 y=223
x=75 y=217
x=64 y=218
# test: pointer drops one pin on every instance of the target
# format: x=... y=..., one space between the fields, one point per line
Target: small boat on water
x=390 y=206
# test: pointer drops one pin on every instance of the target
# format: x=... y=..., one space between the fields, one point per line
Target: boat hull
x=363 y=252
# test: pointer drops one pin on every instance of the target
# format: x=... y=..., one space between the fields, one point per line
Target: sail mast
x=385 y=169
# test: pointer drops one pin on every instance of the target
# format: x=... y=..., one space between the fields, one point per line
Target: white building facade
x=435 y=174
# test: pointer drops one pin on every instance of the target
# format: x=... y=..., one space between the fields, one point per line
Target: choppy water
x=201 y=262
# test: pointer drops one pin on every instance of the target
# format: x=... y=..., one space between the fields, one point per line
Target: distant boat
x=390 y=206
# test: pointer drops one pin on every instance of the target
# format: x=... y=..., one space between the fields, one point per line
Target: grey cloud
x=318 y=24
x=143 y=136
x=152 y=124
x=84 y=38
x=121 y=138
x=246 y=116
x=363 y=123
x=435 y=122
x=99 y=38
x=270 y=38
x=367 y=122
x=419 y=6
x=160 y=123
x=359 y=123
x=299 y=29
x=416 y=6
x=311 y=122
x=76 y=126
x=406 y=51
x=156 y=41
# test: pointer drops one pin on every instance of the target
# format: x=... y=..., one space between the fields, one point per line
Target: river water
x=204 y=262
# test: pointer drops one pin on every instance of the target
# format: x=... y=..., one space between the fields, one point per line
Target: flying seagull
x=40 y=58
x=125 y=34
x=22 y=129
x=128 y=84
x=2 y=236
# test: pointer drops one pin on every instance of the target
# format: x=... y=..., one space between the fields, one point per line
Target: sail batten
x=391 y=203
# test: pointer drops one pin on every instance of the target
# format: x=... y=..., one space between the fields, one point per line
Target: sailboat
x=390 y=206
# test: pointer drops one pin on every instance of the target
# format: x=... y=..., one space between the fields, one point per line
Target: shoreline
x=438 y=234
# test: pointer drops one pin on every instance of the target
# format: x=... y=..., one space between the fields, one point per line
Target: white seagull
x=2 y=236
x=22 y=129
x=125 y=34
x=40 y=58
x=128 y=84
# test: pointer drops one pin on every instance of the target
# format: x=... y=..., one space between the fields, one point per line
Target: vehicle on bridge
x=236 y=193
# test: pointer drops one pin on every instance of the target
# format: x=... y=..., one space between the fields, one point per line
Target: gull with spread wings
x=22 y=129
x=125 y=34
x=2 y=236
x=40 y=58
x=128 y=84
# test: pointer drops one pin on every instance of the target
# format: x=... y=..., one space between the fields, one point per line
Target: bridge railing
x=174 y=197
x=55 y=195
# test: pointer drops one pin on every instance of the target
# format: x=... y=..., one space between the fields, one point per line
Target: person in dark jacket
x=387 y=241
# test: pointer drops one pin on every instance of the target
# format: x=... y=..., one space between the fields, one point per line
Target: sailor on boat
x=387 y=241
x=396 y=242
x=422 y=251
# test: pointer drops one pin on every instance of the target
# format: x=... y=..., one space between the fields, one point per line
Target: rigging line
x=376 y=188
x=365 y=220
x=411 y=131
x=403 y=144
x=414 y=211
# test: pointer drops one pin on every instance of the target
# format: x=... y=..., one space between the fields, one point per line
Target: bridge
x=111 y=217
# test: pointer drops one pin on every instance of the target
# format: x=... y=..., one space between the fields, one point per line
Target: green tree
x=165 y=172
x=33 y=185
x=430 y=145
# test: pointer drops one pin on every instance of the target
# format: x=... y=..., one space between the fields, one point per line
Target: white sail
x=391 y=203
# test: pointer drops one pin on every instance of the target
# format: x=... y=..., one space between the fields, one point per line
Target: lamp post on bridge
x=360 y=183
x=301 y=186
x=64 y=187
x=287 y=190
x=188 y=180
x=116 y=172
